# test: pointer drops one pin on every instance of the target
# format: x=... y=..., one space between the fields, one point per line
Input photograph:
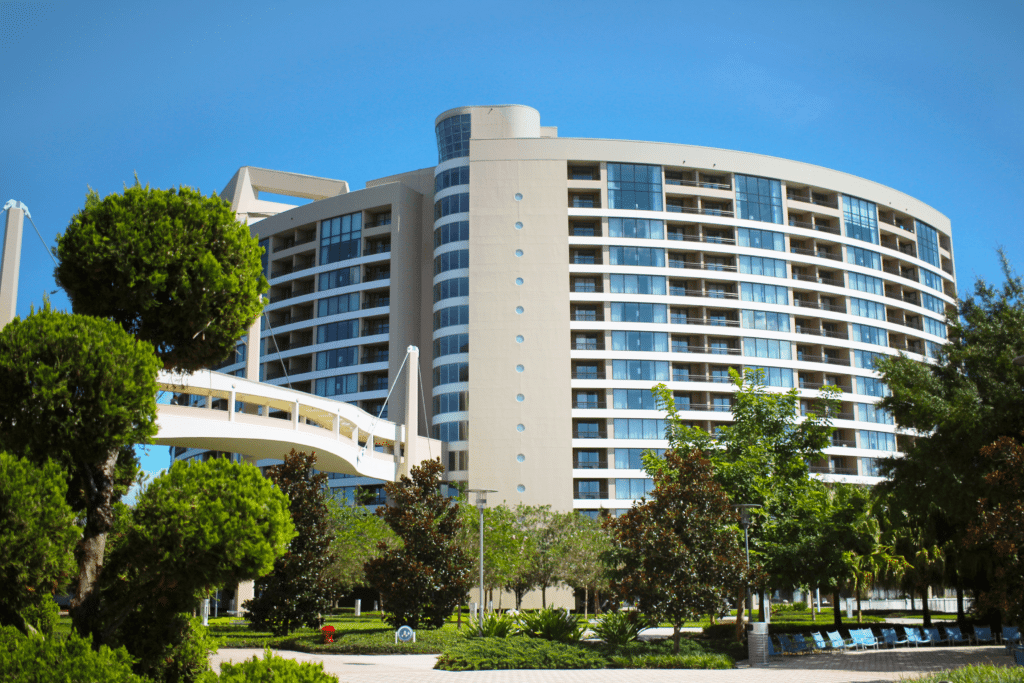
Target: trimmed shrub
x=493 y=626
x=270 y=668
x=551 y=624
x=481 y=654
x=33 y=659
x=976 y=674
x=692 y=661
x=175 y=649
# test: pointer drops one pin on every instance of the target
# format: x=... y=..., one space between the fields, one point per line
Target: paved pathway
x=852 y=667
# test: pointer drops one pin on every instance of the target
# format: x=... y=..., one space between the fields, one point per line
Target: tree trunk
x=544 y=597
x=760 y=606
x=675 y=639
x=597 y=600
x=458 y=619
x=913 y=608
x=961 y=619
x=837 y=610
x=586 y=601
x=856 y=587
x=925 y=609
x=99 y=493
x=739 y=616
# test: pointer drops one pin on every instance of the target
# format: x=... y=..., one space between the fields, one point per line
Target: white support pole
x=295 y=415
x=9 y=262
x=231 y=405
x=411 y=408
x=336 y=428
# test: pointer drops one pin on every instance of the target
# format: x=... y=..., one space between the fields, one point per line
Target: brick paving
x=854 y=667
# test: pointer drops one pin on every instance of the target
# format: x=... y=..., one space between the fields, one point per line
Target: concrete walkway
x=860 y=667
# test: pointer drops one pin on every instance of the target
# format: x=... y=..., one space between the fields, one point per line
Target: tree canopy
x=79 y=391
x=298 y=590
x=427 y=577
x=172 y=267
x=38 y=534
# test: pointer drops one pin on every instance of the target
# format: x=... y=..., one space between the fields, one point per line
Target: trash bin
x=757 y=643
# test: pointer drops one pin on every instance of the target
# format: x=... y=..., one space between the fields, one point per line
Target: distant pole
x=744 y=510
x=481 y=501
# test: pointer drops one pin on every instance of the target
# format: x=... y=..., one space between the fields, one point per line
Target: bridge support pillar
x=412 y=408
x=295 y=415
x=231 y=405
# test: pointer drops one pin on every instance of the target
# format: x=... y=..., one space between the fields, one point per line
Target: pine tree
x=299 y=589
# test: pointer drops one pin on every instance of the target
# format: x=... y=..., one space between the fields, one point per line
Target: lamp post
x=744 y=509
x=481 y=502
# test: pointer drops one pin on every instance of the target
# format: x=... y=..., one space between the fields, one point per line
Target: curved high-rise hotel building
x=551 y=282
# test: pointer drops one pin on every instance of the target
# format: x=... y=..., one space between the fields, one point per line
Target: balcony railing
x=589 y=434
x=697 y=183
x=587 y=374
x=805 y=384
x=834 y=334
x=589 y=405
x=588 y=465
x=803 y=303
x=590 y=495
x=904 y=273
x=844 y=443
x=696 y=265
x=830 y=360
x=683 y=237
x=713 y=350
x=820 y=280
x=812 y=199
x=676 y=208
x=800 y=329
x=587 y=316
x=824 y=469
x=712 y=322
x=709 y=294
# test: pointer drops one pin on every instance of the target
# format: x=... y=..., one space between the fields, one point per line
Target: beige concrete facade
x=531 y=403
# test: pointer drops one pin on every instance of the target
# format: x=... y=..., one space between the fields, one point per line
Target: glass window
x=451 y=232
x=647 y=370
x=451 y=260
x=756 y=265
x=867 y=309
x=344 y=329
x=930 y=279
x=342 y=277
x=453 y=203
x=773 y=377
x=634 y=186
x=765 y=294
x=638 y=341
x=447 y=289
x=452 y=431
x=453 y=315
x=764 y=320
x=866 y=283
x=877 y=441
x=861 y=219
x=869 y=412
x=636 y=228
x=265 y=256
x=928 y=244
x=635 y=399
x=636 y=256
x=335 y=386
x=871 y=386
x=454 y=402
x=452 y=177
x=932 y=326
x=767 y=348
x=932 y=349
x=337 y=358
x=866 y=359
x=933 y=303
x=639 y=428
x=451 y=344
x=633 y=489
x=451 y=373
x=758 y=199
x=863 y=257
x=760 y=239
x=340 y=238
x=632 y=458
x=639 y=313
x=867 y=334
x=636 y=284
x=453 y=135
x=333 y=305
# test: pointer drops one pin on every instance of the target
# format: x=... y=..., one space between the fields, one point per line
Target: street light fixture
x=744 y=510
x=481 y=502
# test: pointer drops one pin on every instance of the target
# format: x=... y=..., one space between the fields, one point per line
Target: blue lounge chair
x=790 y=647
x=1011 y=636
x=802 y=644
x=864 y=638
x=838 y=642
x=819 y=641
x=1018 y=656
x=891 y=639
x=915 y=636
x=955 y=637
x=934 y=637
x=983 y=634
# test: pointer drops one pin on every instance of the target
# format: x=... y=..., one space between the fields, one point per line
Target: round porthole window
x=519 y=252
x=520 y=368
x=521 y=488
x=519 y=280
x=520 y=398
x=521 y=458
x=519 y=226
x=520 y=339
x=520 y=428
x=520 y=309
x=519 y=196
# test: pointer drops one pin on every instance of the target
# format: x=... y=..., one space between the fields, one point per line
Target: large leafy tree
x=38 y=534
x=970 y=396
x=356 y=533
x=425 y=579
x=678 y=554
x=299 y=590
x=172 y=267
x=580 y=553
x=78 y=391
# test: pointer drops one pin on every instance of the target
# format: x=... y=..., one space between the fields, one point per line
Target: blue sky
x=925 y=97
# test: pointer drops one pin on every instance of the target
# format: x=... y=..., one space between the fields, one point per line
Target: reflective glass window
x=451 y=232
x=639 y=313
x=861 y=218
x=765 y=320
x=454 y=402
x=636 y=284
x=453 y=135
x=930 y=279
x=760 y=239
x=632 y=458
x=647 y=370
x=451 y=344
x=633 y=489
x=639 y=428
x=335 y=386
x=933 y=303
x=932 y=326
x=342 y=277
x=756 y=265
x=451 y=373
x=640 y=228
x=447 y=289
x=869 y=412
x=872 y=386
x=453 y=203
x=452 y=431
x=337 y=358
x=634 y=186
x=928 y=244
x=867 y=309
x=451 y=260
x=773 y=377
x=758 y=199
x=452 y=177
x=453 y=315
x=863 y=257
x=765 y=294
x=866 y=283
x=639 y=341
x=767 y=348
x=866 y=359
x=636 y=256
x=340 y=238
x=635 y=399
x=867 y=334
x=333 y=305
x=344 y=329
x=877 y=441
